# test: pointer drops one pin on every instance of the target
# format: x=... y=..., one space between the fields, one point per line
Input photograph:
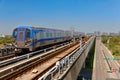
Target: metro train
x=30 y=38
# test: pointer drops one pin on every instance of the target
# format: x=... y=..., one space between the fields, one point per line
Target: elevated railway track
x=30 y=67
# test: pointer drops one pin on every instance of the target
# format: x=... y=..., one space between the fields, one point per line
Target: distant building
x=105 y=34
x=119 y=33
x=2 y=35
x=89 y=33
x=82 y=34
x=97 y=33
x=9 y=36
x=113 y=34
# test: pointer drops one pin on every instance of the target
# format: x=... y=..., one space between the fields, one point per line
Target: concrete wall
x=73 y=72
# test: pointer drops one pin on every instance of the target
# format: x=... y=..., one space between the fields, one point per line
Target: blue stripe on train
x=42 y=40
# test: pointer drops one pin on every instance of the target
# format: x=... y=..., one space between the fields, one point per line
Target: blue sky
x=83 y=15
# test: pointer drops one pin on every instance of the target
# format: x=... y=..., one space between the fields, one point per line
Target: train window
x=44 y=34
x=27 y=33
x=54 y=34
x=41 y=35
x=60 y=34
x=57 y=34
x=15 y=33
x=50 y=34
x=47 y=34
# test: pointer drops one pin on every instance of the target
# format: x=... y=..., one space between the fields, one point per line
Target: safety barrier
x=29 y=61
x=27 y=56
x=62 y=65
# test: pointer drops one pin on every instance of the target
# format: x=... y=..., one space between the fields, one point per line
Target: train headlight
x=15 y=49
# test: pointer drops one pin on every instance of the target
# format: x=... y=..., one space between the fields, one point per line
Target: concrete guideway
x=104 y=69
x=71 y=65
x=11 y=71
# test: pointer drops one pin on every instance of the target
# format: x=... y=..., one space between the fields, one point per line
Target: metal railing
x=29 y=60
x=28 y=55
x=62 y=65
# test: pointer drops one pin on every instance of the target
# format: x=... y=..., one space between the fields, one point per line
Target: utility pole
x=80 y=42
x=73 y=31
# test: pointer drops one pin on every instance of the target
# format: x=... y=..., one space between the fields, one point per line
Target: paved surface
x=104 y=69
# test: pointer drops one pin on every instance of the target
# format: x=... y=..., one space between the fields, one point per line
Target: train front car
x=22 y=38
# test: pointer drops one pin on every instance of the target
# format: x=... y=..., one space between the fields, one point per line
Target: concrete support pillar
x=84 y=65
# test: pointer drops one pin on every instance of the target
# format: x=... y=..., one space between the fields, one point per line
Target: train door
x=34 y=40
x=21 y=37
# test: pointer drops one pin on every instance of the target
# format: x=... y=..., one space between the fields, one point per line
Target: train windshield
x=21 y=34
x=15 y=33
x=27 y=33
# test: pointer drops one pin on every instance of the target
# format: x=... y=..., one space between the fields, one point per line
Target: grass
x=113 y=44
x=5 y=41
